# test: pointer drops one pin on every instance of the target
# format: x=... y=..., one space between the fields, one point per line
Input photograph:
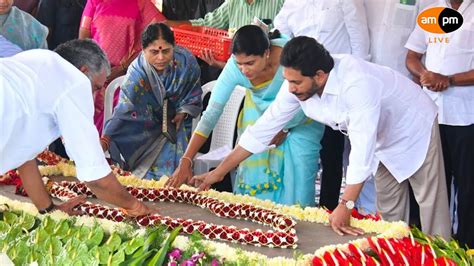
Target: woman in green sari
x=285 y=174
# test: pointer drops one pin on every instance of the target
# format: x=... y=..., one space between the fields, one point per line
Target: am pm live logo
x=439 y=20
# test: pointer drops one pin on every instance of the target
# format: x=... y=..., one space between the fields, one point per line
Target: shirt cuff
x=357 y=175
x=415 y=48
x=92 y=173
x=252 y=144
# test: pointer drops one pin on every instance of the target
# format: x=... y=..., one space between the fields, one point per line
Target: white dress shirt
x=456 y=104
x=43 y=97
x=387 y=117
x=340 y=25
x=390 y=23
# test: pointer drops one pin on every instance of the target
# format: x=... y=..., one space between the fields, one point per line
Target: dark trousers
x=458 y=153
x=331 y=162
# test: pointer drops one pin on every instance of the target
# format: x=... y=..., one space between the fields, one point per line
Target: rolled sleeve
x=417 y=42
x=74 y=114
x=257 y=138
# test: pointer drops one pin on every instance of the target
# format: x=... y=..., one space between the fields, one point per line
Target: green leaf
x=133 y=244
x=117 y=258
x=113 y=242
x=83 y=233
x=48 y=225
x=40 y=236
x=10 y=218
x=95 y=237
x=4 y=227
x=21 y=252
x=61 y=229
x=160 y=256
x=27 y=221
x=100 y=253
x=138 y=257
x=53 y=246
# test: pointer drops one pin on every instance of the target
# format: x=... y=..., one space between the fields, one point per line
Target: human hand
x=339 y=220
x=204 y=181
x=209 y=58
x=181 y=175
x=434 y=81
x=68 y=206
x=178 y=119
x=140 y=209
x=279 y=138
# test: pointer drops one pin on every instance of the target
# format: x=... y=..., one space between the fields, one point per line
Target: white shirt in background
x=390 y=23
x=340 y=25
x=43 y=97
x=456 y=104
x=386 y=116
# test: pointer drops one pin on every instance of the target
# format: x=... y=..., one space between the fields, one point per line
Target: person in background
x=116 y=25
x=62 y=19
x=284 y=173
x=8 y=48
x=36 y=107
x=370 y=104
x=21 y=28
x=233 y=14
x=161 y=72
x=447 y=76
x=29 y=6
x=390 y=23
x=341 y=26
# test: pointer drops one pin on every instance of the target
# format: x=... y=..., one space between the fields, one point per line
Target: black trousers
x=331 y=162
x=458 y=153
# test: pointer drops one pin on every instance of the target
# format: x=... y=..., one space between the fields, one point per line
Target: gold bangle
x=187 y=158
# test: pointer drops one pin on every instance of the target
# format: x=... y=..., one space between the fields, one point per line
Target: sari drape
x=23 y=30
x=135 y=127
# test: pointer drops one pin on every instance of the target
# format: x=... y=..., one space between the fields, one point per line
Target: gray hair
x=85 y=52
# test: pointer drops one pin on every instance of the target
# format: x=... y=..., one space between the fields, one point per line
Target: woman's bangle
x=186 y=158
x=105 y=140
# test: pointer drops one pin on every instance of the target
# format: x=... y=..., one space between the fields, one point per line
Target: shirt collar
x=332 y=84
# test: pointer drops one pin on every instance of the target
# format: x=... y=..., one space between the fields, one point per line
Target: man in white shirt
x=390 y=22
x=387 y=119
x=341 y=26
x=45 y=95
x=448 y=78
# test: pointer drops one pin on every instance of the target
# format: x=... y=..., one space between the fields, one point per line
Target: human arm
x=256 y=138
x=82 y=145
x=281 y=20
x=35 y=188
x=86 y=20
x=221 y=93
x=363 y=103
x=219 y=18
x=355 y=20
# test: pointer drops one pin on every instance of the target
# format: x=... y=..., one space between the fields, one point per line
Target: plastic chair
x=109 y=97
x=206 y=89
x=223 y=133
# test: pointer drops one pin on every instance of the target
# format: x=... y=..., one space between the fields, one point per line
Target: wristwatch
x=348 y=203
x=48 y=209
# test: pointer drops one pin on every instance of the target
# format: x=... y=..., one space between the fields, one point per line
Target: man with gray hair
x=45 y=95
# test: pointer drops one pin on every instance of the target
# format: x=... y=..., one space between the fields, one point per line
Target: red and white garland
x=283 y=234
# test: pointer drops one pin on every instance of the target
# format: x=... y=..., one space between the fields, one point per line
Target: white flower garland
x=383 y=229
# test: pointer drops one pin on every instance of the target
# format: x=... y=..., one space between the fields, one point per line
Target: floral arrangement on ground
x=393 y=245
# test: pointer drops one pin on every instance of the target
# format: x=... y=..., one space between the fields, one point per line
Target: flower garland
x=283 y=237
x=384 y=229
